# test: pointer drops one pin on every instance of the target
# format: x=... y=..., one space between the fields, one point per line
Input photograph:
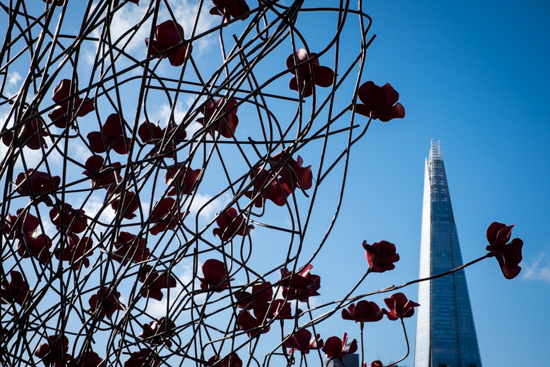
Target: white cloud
x=539 y=270
x=13 y=78
x=208 y=209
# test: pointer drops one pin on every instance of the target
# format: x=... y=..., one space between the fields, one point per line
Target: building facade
x=445 y=331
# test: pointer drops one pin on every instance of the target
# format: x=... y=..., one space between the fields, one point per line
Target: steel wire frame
x=121 y=78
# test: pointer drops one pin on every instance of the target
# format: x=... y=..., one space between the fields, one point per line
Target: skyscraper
x=445 y=331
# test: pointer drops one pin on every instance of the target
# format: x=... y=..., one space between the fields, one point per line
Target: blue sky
x=474 y=76
x=471 y=75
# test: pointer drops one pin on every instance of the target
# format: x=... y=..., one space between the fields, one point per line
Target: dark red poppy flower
x=335 y=348
x=379 y=102
x=65 y=99
x=31 y=135
x=279 y=309
x=72 y=220
x=87 y=359
x=169 y=35
x=309 y=74
x=159 y=332
x=508 y=255
x=126 y=204
x=182 y=179
x=130 y=248
x=364 y=311
x=376 y=364
x=253 y=325
x=101 y=174
x=231 y=360
x=165 y=216
x=399 y=306
x=267 y=187
x=154 y=282
x=21 y=226
x=36 y=247
x=152 y=134
x=302 y=342
x=215 y=276
x=111 y=136
x=292 y=174
x=230 y=8
x=105 y=303
x=37 y=184
x=381 y=256
x=14 y=291
x=54 y=352
x=258 y=300
x=76 y=252
x=230 y=224
x=301 y=285
x=143 y=358
x=220 y=116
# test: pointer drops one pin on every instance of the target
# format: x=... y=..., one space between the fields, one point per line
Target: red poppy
x=101 y=174
x=74 y=220
x=508 y=255
x=336 y=348
x=253 y=325
x=215 y=275
x=130 y=248
x=364 y=311
x=292 y=174
x=279 y=309
x=376 y=364
x=301 y=341
x=266 y=187
x=230 y=8
x=230 y=224
x=165 y=216
x=128 y=206
x=76 y=252
x=153 y=282
x=105 y=303
x=36 y=247
x=169 y=35
x=111 y=136
x=65 y=98
x=301 y=285
x=220 y=116
x=399 y=306
x=231 y=360
x=143 y=358
x=258 y=300
x=379 y=102
x=22 y=226
x=182 y=179
x=54 y=352
x=381 y=256
x=14 y=291
x=36 y=184
x=87 y=359
x=151 y=133
x=31 y=135
x=309 y=74
x=159 y=332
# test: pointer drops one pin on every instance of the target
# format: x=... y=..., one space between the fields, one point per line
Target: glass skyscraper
x=445 y=331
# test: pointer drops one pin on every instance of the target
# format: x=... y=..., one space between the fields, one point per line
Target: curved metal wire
x=110 y=219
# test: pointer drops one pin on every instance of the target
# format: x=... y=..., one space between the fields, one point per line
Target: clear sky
x=473 y=75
